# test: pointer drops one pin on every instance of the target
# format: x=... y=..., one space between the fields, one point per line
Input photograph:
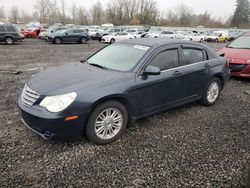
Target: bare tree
x=53 y=11
x=42 y=6
x=82 y=16
x=73 y=12
x=62 y=12
x=24 y=16
x=2 y=13
x=14 y=15
x=97 y=13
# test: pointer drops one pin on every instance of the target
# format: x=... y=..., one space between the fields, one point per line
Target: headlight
x=59 y=102
x=248 y=61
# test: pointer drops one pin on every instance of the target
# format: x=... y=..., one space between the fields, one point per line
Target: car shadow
x=242 y=79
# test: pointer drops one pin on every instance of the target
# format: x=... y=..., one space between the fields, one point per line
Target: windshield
x=242 y=42
x=120 y=57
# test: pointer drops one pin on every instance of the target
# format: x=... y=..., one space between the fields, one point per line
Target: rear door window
x=191 y=55
x=2 y=28
x=10 y=29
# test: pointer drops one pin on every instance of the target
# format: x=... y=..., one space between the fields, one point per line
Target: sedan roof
x=155 y=41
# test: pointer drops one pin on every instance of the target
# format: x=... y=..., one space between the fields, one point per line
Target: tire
x=112 y=41
x=106 y=122
x=57 y=40
x=211 y=92
x=83 y=40
x=9 y=40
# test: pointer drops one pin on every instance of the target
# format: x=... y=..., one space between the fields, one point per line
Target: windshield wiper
x=97 y=65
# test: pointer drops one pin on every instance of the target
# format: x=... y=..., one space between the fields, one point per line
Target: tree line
x=125 y=12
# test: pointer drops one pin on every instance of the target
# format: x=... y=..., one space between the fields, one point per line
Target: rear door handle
x=176 y=73
x=206 y=65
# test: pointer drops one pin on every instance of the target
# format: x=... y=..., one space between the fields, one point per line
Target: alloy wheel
x=213 y=92
x=9 y=41
x=108 y=123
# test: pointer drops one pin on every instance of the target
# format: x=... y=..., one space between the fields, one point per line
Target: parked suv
x=9 y=34
x=68 y=36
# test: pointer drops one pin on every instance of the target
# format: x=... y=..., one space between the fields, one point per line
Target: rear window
x=2 y=29
x=10 y=29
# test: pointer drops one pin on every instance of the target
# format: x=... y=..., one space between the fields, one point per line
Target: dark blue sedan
x=121 y=83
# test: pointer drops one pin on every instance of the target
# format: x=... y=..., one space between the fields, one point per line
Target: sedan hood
x=72 y=77
x=234 y=53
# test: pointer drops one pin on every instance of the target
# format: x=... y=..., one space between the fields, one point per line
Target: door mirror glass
x=152 y=70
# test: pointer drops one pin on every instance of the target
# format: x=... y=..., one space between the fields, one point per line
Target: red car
x=238 y=56
x=31 y=32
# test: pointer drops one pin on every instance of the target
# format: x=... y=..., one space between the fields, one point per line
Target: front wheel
x=107 y=122
x=112 y=41
x=212 y=92
x=57 y=40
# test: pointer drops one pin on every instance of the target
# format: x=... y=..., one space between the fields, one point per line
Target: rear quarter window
x=2 y=29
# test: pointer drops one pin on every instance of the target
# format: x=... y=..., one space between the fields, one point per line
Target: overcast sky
x=218 y=8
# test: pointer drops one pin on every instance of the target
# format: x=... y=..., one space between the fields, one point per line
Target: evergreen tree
x=242 y=13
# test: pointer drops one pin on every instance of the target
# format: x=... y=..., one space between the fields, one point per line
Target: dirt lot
x=191 y=146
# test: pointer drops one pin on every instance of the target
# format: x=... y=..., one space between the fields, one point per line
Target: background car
x=238 y=56
x=196 y=37
x=168 y=34
x=31 y=32
x=117 y=37
x=68 y=36
x=99 y=96
x=9 y=34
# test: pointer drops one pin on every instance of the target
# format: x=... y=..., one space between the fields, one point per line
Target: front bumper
x=49 y=125
x=240 y=70
x=106 y=40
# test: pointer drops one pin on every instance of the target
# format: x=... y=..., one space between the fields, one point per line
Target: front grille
x=29 y=97
x=237 y=67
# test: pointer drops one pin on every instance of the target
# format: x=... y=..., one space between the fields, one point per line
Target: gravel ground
x=190 y=146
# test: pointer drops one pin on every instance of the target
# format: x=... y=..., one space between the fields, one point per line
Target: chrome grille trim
x=29 y=97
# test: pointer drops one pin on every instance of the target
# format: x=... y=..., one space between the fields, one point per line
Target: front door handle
x=176 y=73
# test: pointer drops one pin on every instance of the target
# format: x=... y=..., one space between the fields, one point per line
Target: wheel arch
x=220 y=77
x=120 y=98
x=6 y=36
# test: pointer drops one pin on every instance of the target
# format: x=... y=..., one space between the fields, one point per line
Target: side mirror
x=152 y=70
x=83 y=60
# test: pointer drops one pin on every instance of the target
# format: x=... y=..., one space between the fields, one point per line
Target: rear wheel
x=212 y=92
x=57 y=40
x=9 y=40
x=107 y=122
